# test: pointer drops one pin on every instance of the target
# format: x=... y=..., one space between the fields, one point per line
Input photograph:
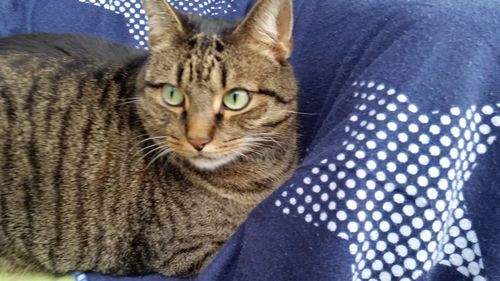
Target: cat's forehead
x=190 y=64
x=201 y=43
x=208 y=34
x=209 y=25
x=214 y=61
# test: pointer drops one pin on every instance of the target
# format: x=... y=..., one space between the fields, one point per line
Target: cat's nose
x=199 y=143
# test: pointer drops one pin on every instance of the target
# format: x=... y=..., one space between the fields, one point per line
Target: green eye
x=236 y=99
x=171 y=95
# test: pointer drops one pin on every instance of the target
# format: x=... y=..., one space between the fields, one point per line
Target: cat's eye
x=236 y=99
x=171 y=95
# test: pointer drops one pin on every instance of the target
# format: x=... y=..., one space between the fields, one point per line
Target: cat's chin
x=211 y=164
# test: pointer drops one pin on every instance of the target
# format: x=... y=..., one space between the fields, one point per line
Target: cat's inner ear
x=269 y=23
x=165 y=23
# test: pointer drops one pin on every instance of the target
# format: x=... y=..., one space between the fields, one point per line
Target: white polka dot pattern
x=395 y=191
x=137 y=20
x=134 y=14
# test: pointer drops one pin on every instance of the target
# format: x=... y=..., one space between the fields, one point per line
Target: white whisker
x=144 y=149
x=165 y=151
x=262 y=139
x=152 y=138
x=303 y=113
x=152 y=151
x=128 y=101
x=145 y=140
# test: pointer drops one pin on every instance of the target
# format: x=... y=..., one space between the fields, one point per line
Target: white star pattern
x=137 y=20
x=395 y=190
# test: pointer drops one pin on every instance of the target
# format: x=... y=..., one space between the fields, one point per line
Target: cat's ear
x=165 y=23
x=269 y=23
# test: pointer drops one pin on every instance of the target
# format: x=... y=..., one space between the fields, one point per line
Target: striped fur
x=82 y=183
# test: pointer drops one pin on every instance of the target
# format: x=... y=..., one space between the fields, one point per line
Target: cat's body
x=82 y=183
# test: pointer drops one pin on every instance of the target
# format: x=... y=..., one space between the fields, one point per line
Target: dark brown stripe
x=62 y=50
x=255 y=113
x=208 y=71
x=145 y=210
x=180 y=209
x=11 y=113
x=100 y=78
x=196 y=264
x=180 y=71
x=199 y=72
x=191 y=75
x=126 y=74
x=29 y=102
x=196 y=237
x=175 y=254
x=256 y=188
x=31 y=188
x=275 y=95
x=7 y=156
x=153 y=84
x=223 y=75
x=137 y=246
x=128 y=117
x=188 y=249
x=219 y=46
x=192 y=42
x=275 y=124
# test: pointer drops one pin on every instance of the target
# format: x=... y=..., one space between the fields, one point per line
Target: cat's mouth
x=211 y=163
x=212 y=156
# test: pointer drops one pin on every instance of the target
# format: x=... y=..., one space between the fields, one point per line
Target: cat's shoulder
x=67 y=45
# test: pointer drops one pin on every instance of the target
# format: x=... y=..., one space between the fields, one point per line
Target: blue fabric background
x=400 y=114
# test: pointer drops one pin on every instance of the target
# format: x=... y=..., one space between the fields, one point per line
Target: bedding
x=400 y=116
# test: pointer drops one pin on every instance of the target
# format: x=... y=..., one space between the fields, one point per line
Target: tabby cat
x=120 y=161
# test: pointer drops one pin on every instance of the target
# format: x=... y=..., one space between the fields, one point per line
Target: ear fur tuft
x=165 y=23
x=269 y=23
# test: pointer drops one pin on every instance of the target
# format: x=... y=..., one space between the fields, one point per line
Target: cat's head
x=215 y=92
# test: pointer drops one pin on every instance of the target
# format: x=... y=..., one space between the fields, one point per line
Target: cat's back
x=64 y=47
x=59 y=92
x=30 y=62
x=64 y=124
x=51 y=72
x=58 y=58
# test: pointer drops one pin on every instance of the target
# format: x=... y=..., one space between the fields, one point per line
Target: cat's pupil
x=235 y=97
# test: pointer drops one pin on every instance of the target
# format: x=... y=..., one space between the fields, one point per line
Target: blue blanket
x=400 y=105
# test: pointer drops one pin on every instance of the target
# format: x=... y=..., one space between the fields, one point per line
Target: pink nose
x=199 y=143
